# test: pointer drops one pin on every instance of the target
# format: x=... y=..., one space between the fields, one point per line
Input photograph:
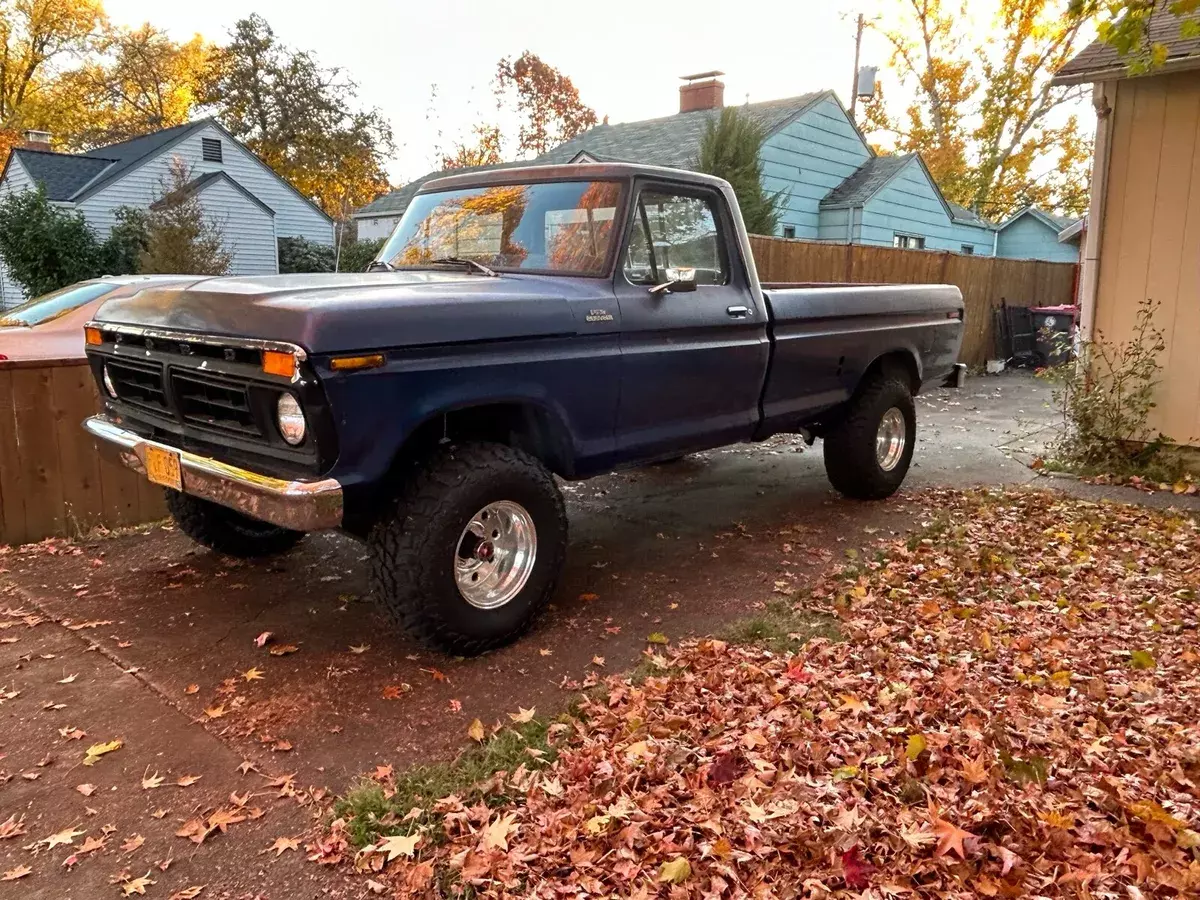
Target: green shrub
x=44 y=247
x=1104 y=402
x=300 y=255
x=358 y=255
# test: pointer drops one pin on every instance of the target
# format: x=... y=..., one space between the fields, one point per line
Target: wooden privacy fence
x=985 y=281
x=52 y=480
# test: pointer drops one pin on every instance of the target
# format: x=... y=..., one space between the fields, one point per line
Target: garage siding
x=1150 y=241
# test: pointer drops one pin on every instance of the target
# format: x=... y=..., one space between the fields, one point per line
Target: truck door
x=692 y=363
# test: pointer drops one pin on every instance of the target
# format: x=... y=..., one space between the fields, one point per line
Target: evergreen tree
x=729 y=150
x=181 y=238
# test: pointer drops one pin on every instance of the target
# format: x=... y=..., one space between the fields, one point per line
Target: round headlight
x=108 y=383
x=291 y=419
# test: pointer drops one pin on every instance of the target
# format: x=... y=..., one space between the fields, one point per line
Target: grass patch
x=780 y=628
x=370 y=813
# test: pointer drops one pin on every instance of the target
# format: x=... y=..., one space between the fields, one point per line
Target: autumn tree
x=983 y=113
x=38 y=40
x=139 y=81
x=300 y=117
x=546 y=101
x=1125 y=24
x=484 y=150
x=730 y=149
x=181 y=238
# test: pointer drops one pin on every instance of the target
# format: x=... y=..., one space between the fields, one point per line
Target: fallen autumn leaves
x=1013 y=712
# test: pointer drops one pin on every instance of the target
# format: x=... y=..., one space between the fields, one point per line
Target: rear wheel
x=867 y=455
x=469 y=553
x=226 y=531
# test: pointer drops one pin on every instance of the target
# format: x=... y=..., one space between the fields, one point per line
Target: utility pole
x=857 y=51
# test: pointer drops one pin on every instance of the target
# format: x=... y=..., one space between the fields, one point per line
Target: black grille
x=138 y=384
x=214 y=404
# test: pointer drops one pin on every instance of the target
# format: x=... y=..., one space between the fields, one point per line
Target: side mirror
x=679 y=281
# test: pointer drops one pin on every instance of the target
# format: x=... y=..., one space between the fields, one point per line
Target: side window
x=674 y=231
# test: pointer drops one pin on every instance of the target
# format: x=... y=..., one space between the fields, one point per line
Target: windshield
x=51 y=306
x=564 y=227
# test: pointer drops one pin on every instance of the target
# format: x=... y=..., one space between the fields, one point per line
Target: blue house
x=1032 y=234
x=835 y=187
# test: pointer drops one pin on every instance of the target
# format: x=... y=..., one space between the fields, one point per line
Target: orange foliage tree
x=982 y=112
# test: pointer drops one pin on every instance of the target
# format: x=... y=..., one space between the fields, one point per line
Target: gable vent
x=211 y=149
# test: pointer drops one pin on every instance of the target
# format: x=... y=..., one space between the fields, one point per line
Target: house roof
x=1054 y=222
x=865 y=183
x=62 y=174
x=125 y=155
x=1100 y=61
x=395 y=202
x=671 y=140
x=965 y=216
x=75 y=177
x=196 y=185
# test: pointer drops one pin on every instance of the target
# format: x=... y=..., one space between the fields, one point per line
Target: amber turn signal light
x=276 y=362
x=350 y=363
x=93 y=336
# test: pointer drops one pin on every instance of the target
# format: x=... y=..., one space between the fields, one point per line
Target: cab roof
x=609 y=171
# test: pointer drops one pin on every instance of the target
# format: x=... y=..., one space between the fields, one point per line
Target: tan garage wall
x=1150 y=241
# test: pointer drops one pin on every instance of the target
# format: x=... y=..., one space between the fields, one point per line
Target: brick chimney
x=37 y=140
x=702 y=91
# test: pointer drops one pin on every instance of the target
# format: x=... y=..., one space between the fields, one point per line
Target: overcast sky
x=625 y=56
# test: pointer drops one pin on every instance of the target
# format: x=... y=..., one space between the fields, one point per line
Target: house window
x=210 y=149
x=789 y=231
x=908 y=241
x=968 y=249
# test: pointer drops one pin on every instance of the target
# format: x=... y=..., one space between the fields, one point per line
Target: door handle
x=739 y=312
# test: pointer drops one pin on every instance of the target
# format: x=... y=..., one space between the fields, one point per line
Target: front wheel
x=868 y=453
x=227 y=531
x=469 y=554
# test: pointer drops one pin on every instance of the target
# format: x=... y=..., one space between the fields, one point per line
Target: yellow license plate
x=162 y=467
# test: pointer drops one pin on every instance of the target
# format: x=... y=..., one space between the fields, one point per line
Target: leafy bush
x=44 y=247
x=357 y=256
x=181 y=239
x=129 y=238
x=1105 y=402
x=297 y=255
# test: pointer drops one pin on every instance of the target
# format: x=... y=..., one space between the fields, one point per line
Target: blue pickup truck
x=519 y=324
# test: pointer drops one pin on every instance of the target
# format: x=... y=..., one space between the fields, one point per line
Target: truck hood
x=349 y=312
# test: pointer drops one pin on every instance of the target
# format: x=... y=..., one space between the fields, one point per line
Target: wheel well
x=899 y=364
x=524 y=426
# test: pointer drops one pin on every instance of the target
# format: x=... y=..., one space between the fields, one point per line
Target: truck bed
x=825 y=336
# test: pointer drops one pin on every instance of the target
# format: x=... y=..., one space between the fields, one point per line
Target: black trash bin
x=1054 y=328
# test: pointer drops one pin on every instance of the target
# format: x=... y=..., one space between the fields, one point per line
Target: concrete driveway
x=148 y=639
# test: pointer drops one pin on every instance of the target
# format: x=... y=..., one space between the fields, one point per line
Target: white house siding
x=248 y=229
x=371 y=228
x=808 y=158
x=909 y=205
x=141 y=186
x=15 y=180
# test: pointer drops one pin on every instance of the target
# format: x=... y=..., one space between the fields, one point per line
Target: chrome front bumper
x=299 y=505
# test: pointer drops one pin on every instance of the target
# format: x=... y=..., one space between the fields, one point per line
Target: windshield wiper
x=462 y=261
x=380 y=265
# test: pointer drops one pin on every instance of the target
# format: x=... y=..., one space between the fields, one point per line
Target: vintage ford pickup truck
x=519 y=324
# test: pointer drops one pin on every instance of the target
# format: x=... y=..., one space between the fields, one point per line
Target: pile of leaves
x=1013 y=712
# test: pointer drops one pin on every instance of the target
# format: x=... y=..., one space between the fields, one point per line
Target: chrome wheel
x=891 y=438
x=495 y=555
